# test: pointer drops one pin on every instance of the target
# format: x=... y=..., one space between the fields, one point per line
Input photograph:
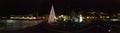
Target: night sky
x=22 y=7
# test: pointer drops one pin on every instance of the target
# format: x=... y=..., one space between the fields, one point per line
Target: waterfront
x=63 y=27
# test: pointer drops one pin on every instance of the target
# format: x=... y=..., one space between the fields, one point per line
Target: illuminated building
x=22 y=17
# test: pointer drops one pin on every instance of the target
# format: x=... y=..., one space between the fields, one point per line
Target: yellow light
x=118 y=14
x=23 y=17
x=62 y=15
x=101 y=17
x=93 y=17
x=59 y=16
x=34 y=17
x=87 y=17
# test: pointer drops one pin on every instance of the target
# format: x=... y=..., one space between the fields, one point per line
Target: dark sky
x=43 y=6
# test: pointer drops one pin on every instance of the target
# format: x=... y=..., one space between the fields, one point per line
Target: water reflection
x=17 y=24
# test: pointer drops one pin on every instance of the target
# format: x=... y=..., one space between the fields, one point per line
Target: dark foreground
x=46 y=28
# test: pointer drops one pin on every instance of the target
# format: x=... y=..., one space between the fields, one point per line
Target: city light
x=108 y=17
x=11 y=21
x=60 y=16
x=115 y=19
x=118 y=14
x=63 y=17
x=88 y=17
x=109 y=30
x=22 y=17
x=80 y=18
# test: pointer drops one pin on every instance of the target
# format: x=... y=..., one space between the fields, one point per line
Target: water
x=18 y=24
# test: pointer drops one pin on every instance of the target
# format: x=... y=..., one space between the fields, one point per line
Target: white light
x=64 y=19
x=115 y=19
x=108 y=17
x=52 y=15
x=109 y=30
x=55 y=17
x=80 y=18
x=61 y=15
x=10 y=21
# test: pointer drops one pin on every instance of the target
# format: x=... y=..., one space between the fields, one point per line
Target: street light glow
x=80 y=18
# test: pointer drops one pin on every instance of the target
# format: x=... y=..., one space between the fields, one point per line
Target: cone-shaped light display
x=52 y=16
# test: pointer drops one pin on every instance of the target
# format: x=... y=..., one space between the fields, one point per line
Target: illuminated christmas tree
x=52 y=16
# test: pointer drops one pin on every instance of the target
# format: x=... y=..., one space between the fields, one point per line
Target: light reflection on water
x=19 y=24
